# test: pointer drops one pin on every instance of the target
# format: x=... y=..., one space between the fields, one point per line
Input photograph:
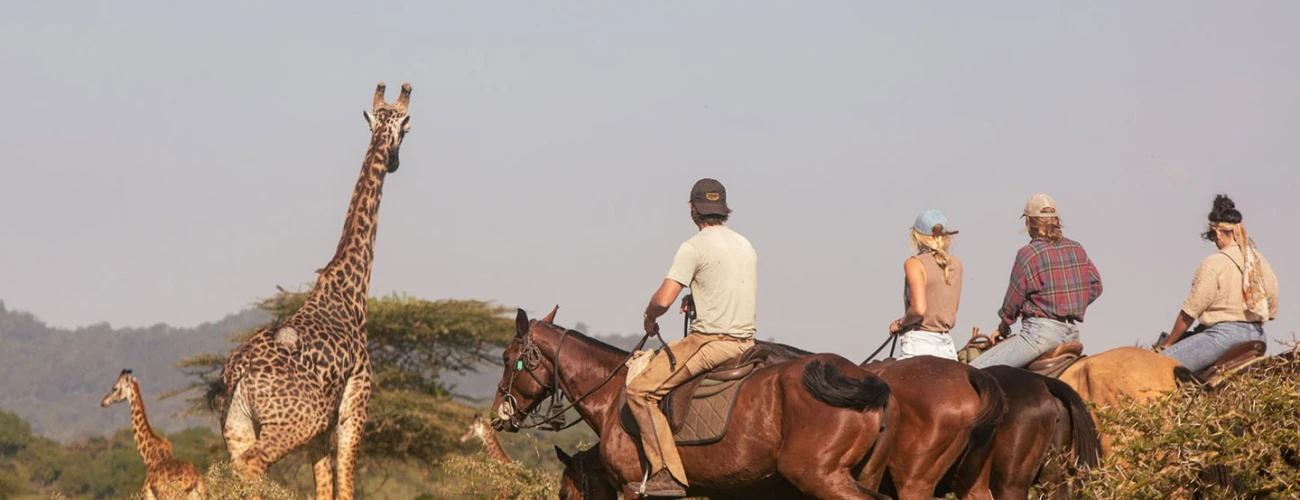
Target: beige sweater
x=1216 y=294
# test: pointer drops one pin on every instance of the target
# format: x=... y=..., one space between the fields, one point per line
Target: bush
x=479 y=476
x=1240 y=440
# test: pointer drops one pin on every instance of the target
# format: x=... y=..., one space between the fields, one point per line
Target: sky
x=176 y=161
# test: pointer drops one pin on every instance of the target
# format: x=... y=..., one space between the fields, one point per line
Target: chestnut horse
x=812 y=422
x=949 y=413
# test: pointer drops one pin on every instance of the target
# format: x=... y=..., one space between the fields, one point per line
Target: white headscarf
x=1252 y=276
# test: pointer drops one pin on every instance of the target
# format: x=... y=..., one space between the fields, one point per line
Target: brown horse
x=948 y=413
x=1042 y=413
x=584 y=476
x=1111 y=377
x=951 y=417
x=811 y=422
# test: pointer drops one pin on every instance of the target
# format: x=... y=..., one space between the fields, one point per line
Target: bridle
x=530 y=358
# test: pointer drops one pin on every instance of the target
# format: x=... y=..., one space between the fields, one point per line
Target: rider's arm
x=682 y=272
x=1181 y=324
x=661 y=301
x=1017 y=288
x=1205 y=290
x=1094 y=282
x=915 y=272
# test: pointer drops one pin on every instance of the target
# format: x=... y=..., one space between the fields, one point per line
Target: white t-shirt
x=721 y=269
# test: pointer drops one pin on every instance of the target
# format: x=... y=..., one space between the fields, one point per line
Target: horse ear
x=564 y=457
x=521 y=323
x=550 y=317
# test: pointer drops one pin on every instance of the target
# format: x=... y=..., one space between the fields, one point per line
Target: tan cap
x=1040 y=205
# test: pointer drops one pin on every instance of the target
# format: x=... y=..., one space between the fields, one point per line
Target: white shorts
x=921 y=342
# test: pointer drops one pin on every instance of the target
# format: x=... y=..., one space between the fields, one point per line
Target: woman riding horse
x=1233 y=293
x=931 y=291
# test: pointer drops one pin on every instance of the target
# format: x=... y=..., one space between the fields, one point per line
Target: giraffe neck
x=493 y=446
x=346 y=278
x=151 y=447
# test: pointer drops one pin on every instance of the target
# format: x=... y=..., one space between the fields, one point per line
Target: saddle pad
x=702 y=420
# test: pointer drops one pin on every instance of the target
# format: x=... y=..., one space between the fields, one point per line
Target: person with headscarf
x=1234 y=293
x=931 y=291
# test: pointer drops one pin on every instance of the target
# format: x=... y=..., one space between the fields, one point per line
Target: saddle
x=1238 y=357
x=699 y=410
x=1054 y=362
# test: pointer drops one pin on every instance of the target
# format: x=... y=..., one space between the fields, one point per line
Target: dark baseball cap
x=709 y=197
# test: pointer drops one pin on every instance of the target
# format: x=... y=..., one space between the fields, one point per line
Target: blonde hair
x=937 y=245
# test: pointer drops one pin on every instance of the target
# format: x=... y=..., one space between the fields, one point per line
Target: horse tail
x=993 y=404
x=1087 y=442
x=829 y=385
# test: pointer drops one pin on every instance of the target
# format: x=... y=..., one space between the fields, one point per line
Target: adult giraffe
x=293 y=382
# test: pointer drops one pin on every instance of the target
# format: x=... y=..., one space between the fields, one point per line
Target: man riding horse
x=1233 y=293
x=1052 y=284
x=721 y=269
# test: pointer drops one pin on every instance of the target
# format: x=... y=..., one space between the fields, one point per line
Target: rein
x=892 y=338
x=529 y=359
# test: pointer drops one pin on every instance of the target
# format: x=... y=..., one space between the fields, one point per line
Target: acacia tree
x=412 y=342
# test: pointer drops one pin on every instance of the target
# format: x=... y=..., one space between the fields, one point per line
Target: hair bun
x=1224 y=210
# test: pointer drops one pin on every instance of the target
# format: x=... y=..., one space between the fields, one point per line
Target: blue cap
x=928 y=220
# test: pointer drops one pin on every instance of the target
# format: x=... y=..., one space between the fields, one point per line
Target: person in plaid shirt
x=1052 y=284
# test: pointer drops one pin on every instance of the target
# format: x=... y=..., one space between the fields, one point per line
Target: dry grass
x=1240 y=440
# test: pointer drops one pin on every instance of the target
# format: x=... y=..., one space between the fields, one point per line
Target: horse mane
x=594 y=342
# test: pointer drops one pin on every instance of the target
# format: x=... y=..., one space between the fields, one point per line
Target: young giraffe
x=295 y=383
x=480 y=429
x=165 y=476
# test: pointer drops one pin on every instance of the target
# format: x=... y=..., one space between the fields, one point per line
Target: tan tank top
x=941 y=299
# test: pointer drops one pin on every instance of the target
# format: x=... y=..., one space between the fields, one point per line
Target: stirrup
x=644 y=479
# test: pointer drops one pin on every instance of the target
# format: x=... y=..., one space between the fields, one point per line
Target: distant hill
x=55 y=378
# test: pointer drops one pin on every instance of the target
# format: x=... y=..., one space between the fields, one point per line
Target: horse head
x=528 y=377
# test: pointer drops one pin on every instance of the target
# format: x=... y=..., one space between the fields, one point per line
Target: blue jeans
x=1199 y=351
x=1037 y=336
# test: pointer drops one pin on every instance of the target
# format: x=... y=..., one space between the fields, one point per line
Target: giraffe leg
x=353 y=412
x=323 y=468
x=148 y=492
x=239 y=432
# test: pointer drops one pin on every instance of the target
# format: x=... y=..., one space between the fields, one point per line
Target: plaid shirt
x=1051 y=280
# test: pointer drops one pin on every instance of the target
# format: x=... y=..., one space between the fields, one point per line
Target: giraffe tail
x=216 y=395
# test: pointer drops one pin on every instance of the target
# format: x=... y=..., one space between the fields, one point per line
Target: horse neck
x=584 y=364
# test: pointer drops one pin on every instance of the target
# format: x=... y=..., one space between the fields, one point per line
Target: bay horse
x=584 y=476
x=809 y=423
x=1042 y=413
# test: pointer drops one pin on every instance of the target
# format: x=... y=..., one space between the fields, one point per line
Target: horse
x=1042 y=413
x=949 y=414
x=1111 y=377
x=810 y=423
x=584 y=476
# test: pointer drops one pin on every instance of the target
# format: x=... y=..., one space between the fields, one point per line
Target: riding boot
x=662 y=484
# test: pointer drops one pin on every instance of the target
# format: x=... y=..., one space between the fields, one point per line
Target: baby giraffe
x=165 y=477
x=480 y=429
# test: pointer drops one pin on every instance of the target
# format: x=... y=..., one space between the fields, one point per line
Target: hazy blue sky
x=175 y=161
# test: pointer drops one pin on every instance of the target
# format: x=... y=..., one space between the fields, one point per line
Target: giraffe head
x=477 y=429
x=121 y=390
x=389 y=123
